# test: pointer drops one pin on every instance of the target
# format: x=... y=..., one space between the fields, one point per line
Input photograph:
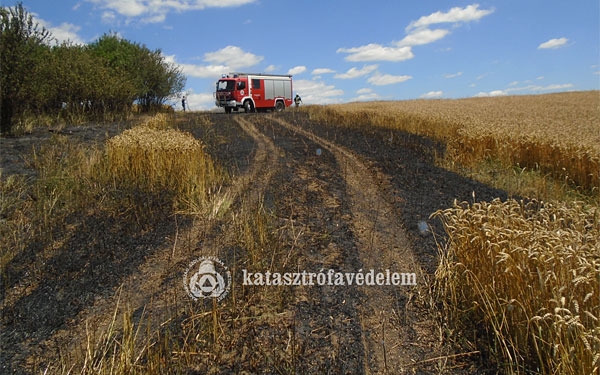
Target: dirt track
x=342 y=199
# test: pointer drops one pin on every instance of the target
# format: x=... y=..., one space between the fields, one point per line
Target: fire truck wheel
x=248 y=106
x=279 y=106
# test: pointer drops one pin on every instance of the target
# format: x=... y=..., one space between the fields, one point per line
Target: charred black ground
x=307 y=187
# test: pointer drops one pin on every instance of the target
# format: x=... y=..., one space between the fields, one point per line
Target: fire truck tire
x=248 y=106
x=279 y=106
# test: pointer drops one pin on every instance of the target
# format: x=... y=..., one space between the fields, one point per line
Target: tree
x=23 y=44
x=154 y=79
x=101 y=80
x=158 y=79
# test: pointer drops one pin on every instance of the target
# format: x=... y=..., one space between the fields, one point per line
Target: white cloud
x=377 y=52
x=271 y=68
x=554 y=43
x=491 y=93
x=108 y=17
x=156 y=18
x=223 y=61
x=297 y=70
x=322 y=71
x=453 y=75
x=199 y=102
x=418 y=33
x=422 y=36
x=526 y=89
x=204 y=71
x=233 y=57
x=379 y=79
x=550 y=87
x=537 y=88
x=365 y=94
x=131 y=8
x=317 y=92
x=355 y=73
x=454 y=15
x=154 y=11
x=65 y=32
x=432 y=95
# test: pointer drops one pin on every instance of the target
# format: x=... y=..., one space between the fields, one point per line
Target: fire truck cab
x=254 y=92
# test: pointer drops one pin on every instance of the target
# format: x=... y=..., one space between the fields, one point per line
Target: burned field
x=92 y=264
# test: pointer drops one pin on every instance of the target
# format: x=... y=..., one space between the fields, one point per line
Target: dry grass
x=160 y=160
x=556 y=134
x=250 y=328
x=528 y=274
x=31 y=207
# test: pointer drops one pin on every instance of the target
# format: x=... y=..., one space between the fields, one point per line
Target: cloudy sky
x=342 y=51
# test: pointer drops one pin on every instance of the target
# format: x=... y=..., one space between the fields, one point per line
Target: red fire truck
x=254 y=92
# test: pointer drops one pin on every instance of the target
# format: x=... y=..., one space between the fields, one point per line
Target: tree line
x=98 y=81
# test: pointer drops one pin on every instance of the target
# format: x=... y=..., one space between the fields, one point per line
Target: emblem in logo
x=207 y=277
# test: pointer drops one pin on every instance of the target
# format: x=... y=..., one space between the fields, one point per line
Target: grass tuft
x=158 y=160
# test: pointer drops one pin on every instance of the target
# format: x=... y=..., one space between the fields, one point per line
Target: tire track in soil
x=310 y=198
x=395 y=335
x=155 y=287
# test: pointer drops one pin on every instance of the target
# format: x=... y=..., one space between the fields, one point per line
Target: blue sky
x=354 y=50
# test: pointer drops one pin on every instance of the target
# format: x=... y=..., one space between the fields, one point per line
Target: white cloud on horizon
x=379 y=79
x=317 y=92
x=355 y=72
x=483 y=94
x=554 y=43
x=199 y=102
x=365 y=94
x=529 y=88
x=432 y=95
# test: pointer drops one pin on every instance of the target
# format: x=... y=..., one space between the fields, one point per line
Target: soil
x=342 y=199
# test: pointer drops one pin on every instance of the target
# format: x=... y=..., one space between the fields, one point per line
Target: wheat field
x=557 y=134
x=529 y=273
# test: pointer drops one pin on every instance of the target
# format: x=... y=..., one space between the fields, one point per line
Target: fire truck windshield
x=225 y=85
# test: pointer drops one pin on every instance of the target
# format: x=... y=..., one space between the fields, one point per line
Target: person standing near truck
x=297 y=100
x=183 y=102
